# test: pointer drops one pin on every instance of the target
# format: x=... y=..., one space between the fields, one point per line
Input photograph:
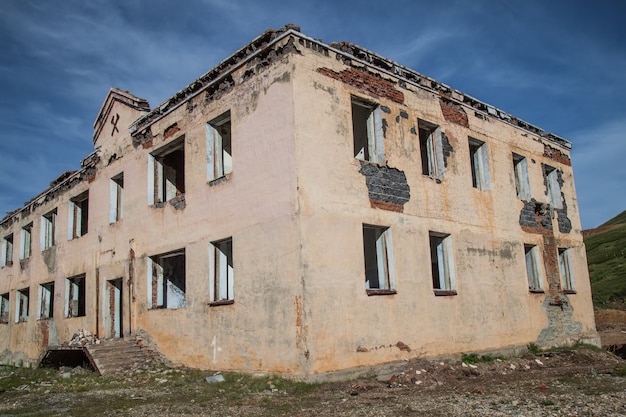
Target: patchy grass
x=473 y=358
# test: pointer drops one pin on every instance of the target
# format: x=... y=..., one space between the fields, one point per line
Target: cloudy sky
x=560 y=65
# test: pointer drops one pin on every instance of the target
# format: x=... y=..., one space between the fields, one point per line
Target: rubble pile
x=83 y=337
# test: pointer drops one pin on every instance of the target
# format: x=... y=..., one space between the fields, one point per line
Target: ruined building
x=307 y=209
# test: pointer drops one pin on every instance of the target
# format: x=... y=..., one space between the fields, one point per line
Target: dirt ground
x=575 y=382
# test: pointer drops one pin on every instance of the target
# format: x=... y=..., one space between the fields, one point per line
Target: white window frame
x=75 y=291
x=160 y=189
x=430 y=140
x=7 y=250
x=22 y=305
x=221 y=271
x=522 y=181
x=375 y=150
x=45 y=301
x=116 y=198
x=553 y=187
x=442 y=263
x=566 y=269
x=219 y=160
x=26 y=241
x=168 y=295
x=479 y=161
x=78 y=210
x=378 y=258
x=533 y=269
x=47 y=237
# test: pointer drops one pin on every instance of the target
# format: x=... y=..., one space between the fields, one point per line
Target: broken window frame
x=164 y=290
x=367 y=131
x=46 y=301
x=431 y=149
x=522 y=181
x=533 y=270
x=75 y=296
x=7 y=250
x=221 y=272
x=116 y=198
x=553 y=188
x=479 y=162
x=22 y=305
x=78 y=216
x=48 y=229
x=219 y=153
x=166 y=181
x=378 y=260
x=26 y=241
x=4 y=308
x=442 y=263
x=566 y=271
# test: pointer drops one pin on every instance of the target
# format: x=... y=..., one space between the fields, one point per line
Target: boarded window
x=442 y=264
x=78 y=216
x=533 y=271
x=367 y=128
x=4 y=308
x=479 y=164
x=377 y=253
x=166 y=172
x=222 y=271
x=75 y=296
x=567 y=272
x=166 y=280
x=522 y=183
x=46 y=301
x=116 y=198
x=553 y=187
x=219 y=147
x=48 y=229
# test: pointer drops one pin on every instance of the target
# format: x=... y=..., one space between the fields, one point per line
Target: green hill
x=606 y=255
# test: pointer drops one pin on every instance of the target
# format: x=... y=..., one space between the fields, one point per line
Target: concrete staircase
x=112 y=356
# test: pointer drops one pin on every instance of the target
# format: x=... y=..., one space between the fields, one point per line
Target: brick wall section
x=556 y=155
x=387 y=187
x=453 y=112
x=535 y=217
x=446 y=148
x=366 y=81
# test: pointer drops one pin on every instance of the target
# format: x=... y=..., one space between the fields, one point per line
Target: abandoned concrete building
x=303 y=209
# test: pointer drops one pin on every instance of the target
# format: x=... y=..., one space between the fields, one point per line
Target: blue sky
x=560 y=65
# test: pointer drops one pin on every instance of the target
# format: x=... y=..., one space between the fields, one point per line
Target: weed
x=472 y=358
x=533 y=348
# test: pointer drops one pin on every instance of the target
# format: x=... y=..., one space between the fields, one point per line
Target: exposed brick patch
x=535 y=217
x=366 y=81
x=143 y=137
x=171 y=131
x=453 y=112
x=387 y=187
x=556 y=155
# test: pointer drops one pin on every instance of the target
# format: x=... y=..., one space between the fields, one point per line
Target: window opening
x=7 y=250
x=442 y=265
x=46 y=301
x=479 y=164
x=116 y=198
x=367 y=128
x=532 y=268
x=75 y=287
x=378 y=259
x=222 y=271
x=167 y=170
x=166 y=280
x=21 y=306
x=430 y=149
x=219 y=147
x=4 y=308
x=25 y=237
x=522 y=183
x=554 y=188
x=48 y=229
x=78 y=215
x=567 y=275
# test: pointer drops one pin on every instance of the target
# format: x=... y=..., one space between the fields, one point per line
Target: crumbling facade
x=303 y=208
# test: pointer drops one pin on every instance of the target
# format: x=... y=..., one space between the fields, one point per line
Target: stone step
x=116 y=355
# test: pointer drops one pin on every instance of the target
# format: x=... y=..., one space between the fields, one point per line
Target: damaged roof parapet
x=227 y=66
